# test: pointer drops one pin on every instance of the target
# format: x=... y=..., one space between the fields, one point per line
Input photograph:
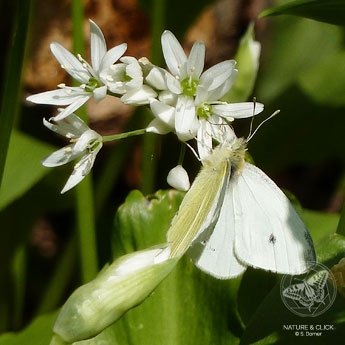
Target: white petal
x=168 y=97
x=70 y=63
x=204 y=140
x=163 y=112
x=173 y=84
x=112 y=56
x=86 y=138
x=98 y=45
x=178 y=178
x=220 y=91
x=60 y=157
x=81 y=169
x=71 y=126
x=72 y=107
x=156 y=78
x=133 y=69
x=196 y=60
x=139 y=96
x=217 y=74
x=173 y=52
x=237 y=110
x=186 y=122
x=56 y=97
x=99 y=93
x=158 y=127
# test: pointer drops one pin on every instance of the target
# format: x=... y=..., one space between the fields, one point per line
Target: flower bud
x=119 y=287
x=178 y=178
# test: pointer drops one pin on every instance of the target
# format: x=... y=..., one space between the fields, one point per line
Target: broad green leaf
x=329 y=11
x=331 y=249
x=320 y=224
x=296 y=46
x=247 y=58
x=23 y=166
x=325 y=82
x=189 y=307
x=39 y=332
x=143 y=222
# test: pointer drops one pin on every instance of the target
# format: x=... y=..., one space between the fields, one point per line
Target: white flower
x=215 y=116
x=126 y=78
x=186 y=78
x=85 y=143
x=191 y=103
x=178 y=178
x=198 y=111
x=90 y=77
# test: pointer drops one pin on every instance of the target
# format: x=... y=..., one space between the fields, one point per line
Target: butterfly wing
x=269 y=234
x=215 y=255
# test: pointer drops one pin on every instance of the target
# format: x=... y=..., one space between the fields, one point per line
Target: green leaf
x=331 y=249
x=11 y=93
x=328 y=11
x=23 y=166
x=320 y=224
x=296 y=46
x=325 y=82
x=39 y=332
x=247 y=58
x=142 y=222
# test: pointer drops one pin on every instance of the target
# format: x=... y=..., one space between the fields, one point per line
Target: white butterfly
x=246 y=220
x=310 y=291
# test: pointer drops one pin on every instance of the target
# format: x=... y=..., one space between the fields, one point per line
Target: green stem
x=150 y=141
x=86 y=228
x=123 y=135
x=85 y=212
x=182 y=154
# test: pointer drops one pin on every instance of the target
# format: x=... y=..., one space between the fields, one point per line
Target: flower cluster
x=185 y=100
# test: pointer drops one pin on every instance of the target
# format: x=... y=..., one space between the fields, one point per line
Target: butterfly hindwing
x=269 y=234
x=216 y=254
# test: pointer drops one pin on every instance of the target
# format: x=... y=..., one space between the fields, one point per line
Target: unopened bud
x=119 y=287
x=178 y=178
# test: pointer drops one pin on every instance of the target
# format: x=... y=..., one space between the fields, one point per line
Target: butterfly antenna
x=257 y=128
x=252 y=120
x=194 y=152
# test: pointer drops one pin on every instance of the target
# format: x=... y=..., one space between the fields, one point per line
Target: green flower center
x=92 y=84
x=204 y=111
x=189 y=86
x=93 y=144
